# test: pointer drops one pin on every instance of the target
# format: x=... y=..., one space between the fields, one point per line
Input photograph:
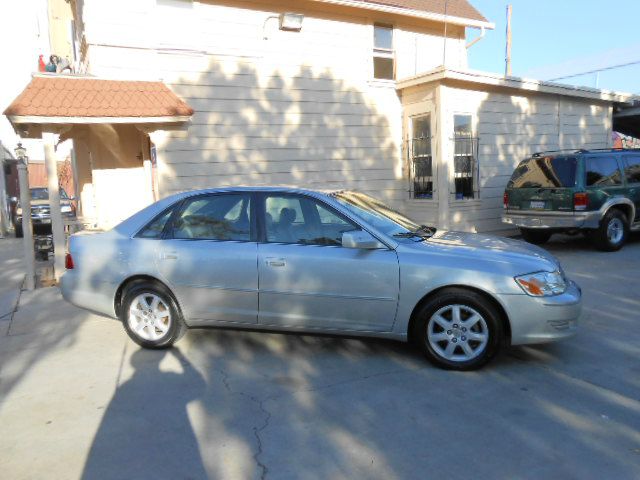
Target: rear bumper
x=560 y=220
x=98 y=297
x=543 y=319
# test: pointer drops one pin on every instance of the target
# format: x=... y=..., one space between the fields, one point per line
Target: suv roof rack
x=581 y=150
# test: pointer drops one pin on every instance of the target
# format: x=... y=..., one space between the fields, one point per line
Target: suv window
x=294 y=219
x=632 y=168
x=602 y=172
x=215 y=217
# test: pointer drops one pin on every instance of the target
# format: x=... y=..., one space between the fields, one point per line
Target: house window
x=420 y=158
x=464 y=157
x=383 y=55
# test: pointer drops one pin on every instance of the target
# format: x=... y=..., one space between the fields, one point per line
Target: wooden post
x=57 y=226
x=4 y=223
x=507 y=70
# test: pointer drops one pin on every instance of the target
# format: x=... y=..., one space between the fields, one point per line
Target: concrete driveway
x=78 y=399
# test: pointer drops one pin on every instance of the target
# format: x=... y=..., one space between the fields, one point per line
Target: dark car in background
x=41 y=211
x=596 y=192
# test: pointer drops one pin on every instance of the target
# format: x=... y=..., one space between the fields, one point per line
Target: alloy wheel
x=457 y=333
x=149 y=316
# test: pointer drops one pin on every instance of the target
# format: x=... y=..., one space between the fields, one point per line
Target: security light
x=291 y=22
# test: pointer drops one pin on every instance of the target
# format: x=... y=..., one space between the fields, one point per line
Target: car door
x=631 y=165
x=209 y=255
x=307 y=279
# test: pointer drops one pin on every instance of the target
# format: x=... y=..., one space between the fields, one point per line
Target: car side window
x=632 y=168
x=215 y=217
x=156 y=226
x=602 y=172
x=302 y=220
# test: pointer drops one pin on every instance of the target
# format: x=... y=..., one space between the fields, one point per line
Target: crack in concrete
x=257 y=431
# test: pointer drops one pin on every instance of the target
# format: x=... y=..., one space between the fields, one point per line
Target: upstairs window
x=383 y=54
x=464 y=157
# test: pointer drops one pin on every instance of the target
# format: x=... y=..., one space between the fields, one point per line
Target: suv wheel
x=613 y=231
x=537 y=237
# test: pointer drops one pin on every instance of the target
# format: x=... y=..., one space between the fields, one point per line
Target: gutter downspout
x=477 y=39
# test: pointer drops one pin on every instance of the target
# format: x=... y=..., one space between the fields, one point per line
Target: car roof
x=268 y=189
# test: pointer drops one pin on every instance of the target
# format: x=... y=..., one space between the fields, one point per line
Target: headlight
x=65 y=208
x=542 y=284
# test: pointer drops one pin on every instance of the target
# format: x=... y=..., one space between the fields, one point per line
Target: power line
x=637 y=62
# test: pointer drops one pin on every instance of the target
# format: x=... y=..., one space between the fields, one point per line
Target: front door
x=210 y=259
x=308 y=280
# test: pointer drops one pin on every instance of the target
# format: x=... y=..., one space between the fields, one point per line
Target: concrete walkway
x=79 y=400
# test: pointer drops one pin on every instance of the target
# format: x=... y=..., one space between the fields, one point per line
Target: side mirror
x=361 y=239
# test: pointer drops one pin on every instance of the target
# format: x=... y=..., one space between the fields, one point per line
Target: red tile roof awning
x=56 y=98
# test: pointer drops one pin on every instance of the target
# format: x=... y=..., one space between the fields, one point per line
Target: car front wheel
x=458 y=330
x=151 y=316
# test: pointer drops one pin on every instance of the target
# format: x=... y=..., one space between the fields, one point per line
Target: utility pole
x=507 y=59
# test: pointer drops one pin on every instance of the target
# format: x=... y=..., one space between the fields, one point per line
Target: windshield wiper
x=423 y=232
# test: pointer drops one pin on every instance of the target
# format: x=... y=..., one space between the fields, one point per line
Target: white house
x=317 y=93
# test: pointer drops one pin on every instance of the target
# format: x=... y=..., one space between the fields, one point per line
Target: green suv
x=596 y=192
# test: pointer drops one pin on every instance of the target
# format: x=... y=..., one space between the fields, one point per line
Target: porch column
x=27 y=230
x=4 y=223
x=57 y=227
x=443 y=147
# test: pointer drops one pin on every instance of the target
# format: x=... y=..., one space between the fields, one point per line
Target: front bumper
x=39 y=220
x=543 y=319
x=551 y=220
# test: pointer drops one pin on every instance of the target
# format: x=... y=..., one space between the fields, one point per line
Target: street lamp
x=25 y=204
x=21 y=153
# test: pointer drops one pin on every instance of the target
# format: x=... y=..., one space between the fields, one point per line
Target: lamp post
x=25 y=205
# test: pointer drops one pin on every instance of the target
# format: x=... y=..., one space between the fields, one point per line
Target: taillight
x=505 y=200
x=580 y=201
x=68 y=262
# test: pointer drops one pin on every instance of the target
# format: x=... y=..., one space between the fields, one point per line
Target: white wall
x=24 y=35
x=272 y=107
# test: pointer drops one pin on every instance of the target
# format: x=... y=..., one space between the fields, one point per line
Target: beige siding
x=510 y=126
x=271 y=107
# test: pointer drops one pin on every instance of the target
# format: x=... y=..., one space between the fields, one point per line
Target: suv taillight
x=580 y=201
x=68 y=262
x=505 y=200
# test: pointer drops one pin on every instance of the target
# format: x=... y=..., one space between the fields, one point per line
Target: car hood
x=522 y=255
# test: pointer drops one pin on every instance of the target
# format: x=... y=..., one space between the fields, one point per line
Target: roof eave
x=38 y=120
x=518 y=83
x=407 y=12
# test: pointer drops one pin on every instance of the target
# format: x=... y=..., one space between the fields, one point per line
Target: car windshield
x=544 y=172
x=381 y=216
x=43 y=194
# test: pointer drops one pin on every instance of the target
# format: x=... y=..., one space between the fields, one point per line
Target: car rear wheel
x=537 y=237
x=458 y=330
x=151 y=316
x=613 y=231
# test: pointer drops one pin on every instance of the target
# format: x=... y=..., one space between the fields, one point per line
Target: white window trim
x=434 y=163
x=383 y=52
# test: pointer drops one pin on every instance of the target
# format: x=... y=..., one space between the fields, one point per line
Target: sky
x=554 y=38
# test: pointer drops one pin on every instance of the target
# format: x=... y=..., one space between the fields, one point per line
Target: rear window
x=545 y=172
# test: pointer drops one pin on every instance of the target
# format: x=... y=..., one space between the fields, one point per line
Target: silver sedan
x=308 y=261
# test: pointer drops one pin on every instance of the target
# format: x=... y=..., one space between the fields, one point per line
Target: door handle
x=275 y=262
x=170 y=256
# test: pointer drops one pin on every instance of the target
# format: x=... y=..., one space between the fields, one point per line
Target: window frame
x=167 y=233
x=475 y=166
x=383 y=52
x=410 y=157
x=261 y=211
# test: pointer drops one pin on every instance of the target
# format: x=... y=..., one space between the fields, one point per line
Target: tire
x=436 y=330
x=612 y=233
x=18 y=230
x=162 y=325
x=537 y=237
